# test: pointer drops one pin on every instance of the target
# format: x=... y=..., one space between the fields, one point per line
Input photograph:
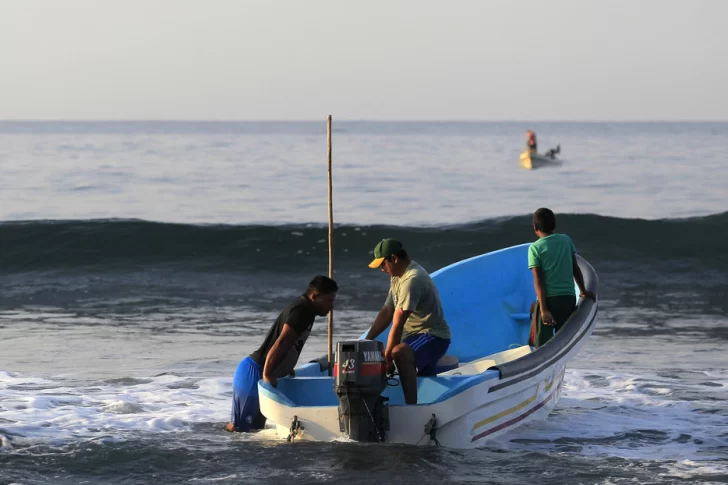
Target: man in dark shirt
x=279 y=353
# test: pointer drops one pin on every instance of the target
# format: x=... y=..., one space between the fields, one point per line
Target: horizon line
x=346 y=120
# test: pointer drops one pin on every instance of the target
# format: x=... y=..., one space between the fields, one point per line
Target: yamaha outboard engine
x=359 y=379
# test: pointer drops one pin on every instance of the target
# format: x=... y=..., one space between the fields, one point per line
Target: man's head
x=544 y=221
x=390 y=257
x=322 y=293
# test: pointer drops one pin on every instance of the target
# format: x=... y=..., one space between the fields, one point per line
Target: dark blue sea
x=141 y=261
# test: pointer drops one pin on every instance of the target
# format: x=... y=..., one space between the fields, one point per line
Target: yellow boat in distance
x=531 y=160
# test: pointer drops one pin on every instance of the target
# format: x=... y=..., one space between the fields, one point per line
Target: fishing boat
x=531 y=160
x=490 y=382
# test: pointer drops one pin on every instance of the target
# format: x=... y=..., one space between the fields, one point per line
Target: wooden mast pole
x=331 y=247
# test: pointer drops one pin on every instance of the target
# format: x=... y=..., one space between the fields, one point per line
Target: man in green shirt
x=420 y=336
x=552 y=259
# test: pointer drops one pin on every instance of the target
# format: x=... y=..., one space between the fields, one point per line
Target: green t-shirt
x=555 y=255
x=415 y=291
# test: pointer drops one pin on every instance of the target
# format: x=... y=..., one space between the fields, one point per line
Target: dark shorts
x=246 y=414
x=561 y=307
x=428 y=350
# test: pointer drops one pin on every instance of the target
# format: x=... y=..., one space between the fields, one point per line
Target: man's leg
x=544 y=332
x=419 y=354
x=561 y=308
x=246 y=414
x=404 y=357
x=428 y=351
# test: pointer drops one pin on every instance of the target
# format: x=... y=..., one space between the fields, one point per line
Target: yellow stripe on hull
x=515 y=408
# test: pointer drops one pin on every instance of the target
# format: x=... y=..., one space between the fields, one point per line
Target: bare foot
x=230 y=427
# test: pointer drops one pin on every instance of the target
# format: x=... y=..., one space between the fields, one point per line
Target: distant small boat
x=531 y=160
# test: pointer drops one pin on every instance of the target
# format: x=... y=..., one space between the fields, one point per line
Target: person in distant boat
x=279 y=353
x=552 y=260
x=531 y=141
x=419 y=336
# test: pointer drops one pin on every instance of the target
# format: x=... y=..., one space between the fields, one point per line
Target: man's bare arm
x=277 y=353
x=381 y=322
x=579 y=277
x=538 y=285
x=395 y=335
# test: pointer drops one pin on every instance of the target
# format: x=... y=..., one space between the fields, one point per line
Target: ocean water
x=141 y=261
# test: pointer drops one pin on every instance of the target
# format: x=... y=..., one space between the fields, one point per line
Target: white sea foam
x=601 y=413
x=687 y=469
x=42 y=409
x=628 y=416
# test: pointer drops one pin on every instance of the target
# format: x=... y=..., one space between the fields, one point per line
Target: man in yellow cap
x=419 y=336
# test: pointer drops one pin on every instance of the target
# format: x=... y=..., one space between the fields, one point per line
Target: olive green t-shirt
x=554 y=254
x=415 y=291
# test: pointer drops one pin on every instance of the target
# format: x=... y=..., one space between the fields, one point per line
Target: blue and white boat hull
x=500 y=382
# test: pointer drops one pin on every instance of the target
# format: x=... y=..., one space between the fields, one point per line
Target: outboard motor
x=553 y=152
x=359 y=379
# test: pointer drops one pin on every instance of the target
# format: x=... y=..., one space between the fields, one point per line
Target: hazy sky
x=373 y=60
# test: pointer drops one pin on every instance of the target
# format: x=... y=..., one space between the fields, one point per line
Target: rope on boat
x=374 y=423
x=393 y=378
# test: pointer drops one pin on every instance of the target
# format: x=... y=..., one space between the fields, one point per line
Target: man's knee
x=403 y=354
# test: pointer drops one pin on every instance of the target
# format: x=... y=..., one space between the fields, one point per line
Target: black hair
x=544 y=220
x=401 y=254
x=322 y=284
